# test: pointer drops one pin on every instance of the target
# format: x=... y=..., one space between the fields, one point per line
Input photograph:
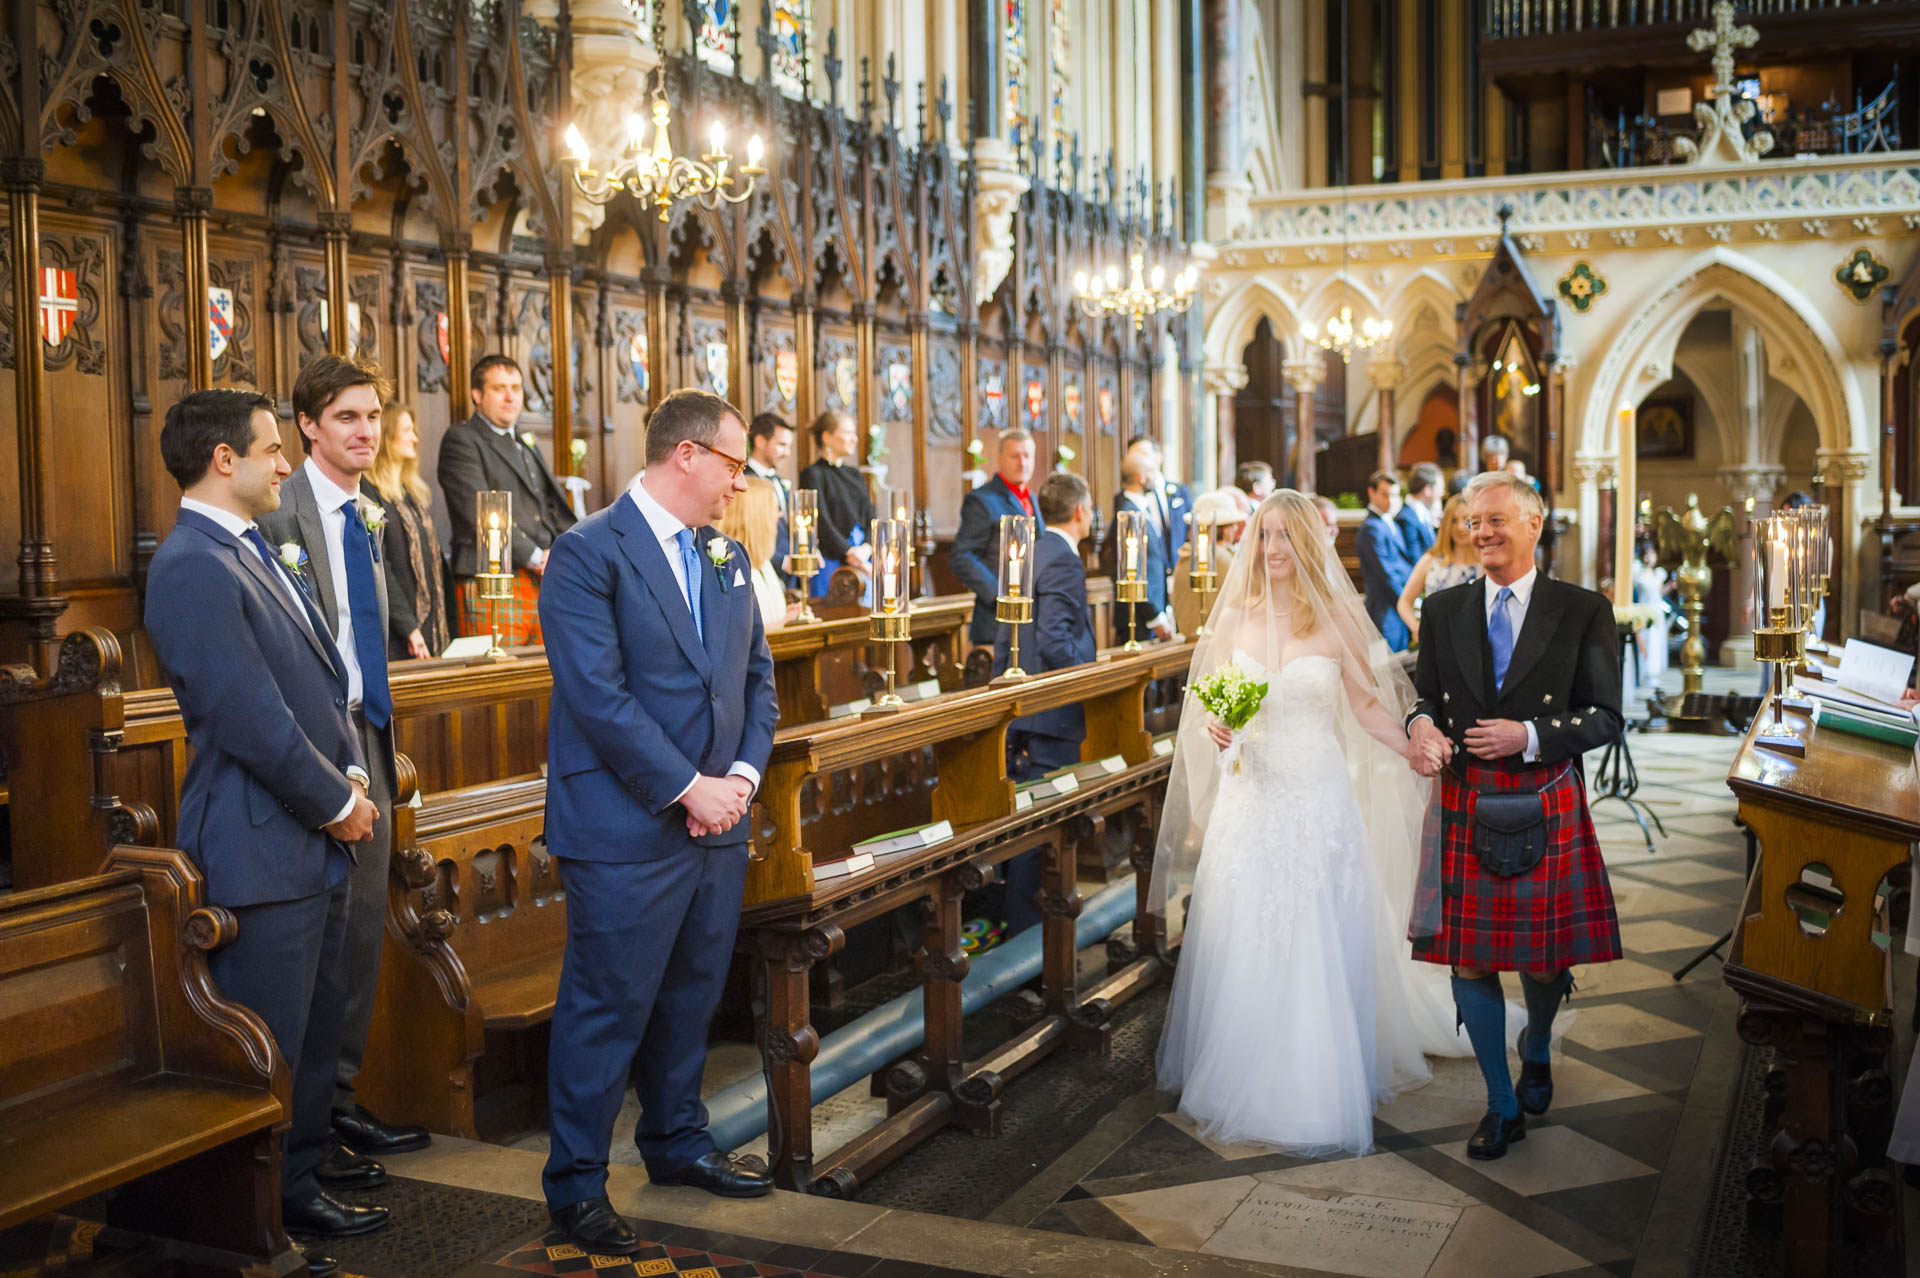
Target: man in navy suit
x=1061 y=635
x=661 y=721
x=1152 y=618
x=1419 y=516
x=276 y=796
x=976 y=545
x=1385 y=564
x=1173 y=503
x=769 y=444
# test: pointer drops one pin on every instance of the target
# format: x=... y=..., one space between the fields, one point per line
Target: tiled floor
x=1579 y=1195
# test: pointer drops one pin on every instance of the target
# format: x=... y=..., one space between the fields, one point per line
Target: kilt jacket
x=1564 y=676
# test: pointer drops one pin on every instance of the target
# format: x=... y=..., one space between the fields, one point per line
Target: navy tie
x=1500 y=635
x=363 y=605
x=690 y=562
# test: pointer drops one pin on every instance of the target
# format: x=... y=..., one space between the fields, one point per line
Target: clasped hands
x=1429 y=750
x=357 y=825
x=715 y=804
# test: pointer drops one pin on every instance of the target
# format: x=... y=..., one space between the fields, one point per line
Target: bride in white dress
x=1296 y=1009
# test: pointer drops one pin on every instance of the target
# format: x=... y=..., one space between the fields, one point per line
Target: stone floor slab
x=1552 y=1158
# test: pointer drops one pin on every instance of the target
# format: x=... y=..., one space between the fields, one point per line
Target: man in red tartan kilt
x=1518 y=677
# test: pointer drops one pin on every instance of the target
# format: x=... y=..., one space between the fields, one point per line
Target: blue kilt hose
x=1558 y=914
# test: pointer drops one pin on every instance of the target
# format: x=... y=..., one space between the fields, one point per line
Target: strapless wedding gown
x=1291 y=1016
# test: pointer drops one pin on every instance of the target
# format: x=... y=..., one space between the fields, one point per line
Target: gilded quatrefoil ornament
x=1581 y=286
x=1861 y=274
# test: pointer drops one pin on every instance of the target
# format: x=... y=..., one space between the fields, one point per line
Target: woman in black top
x=846 y=507
x=409 y=546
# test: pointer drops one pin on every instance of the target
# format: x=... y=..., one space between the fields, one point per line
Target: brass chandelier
x=654 y=173
x=1145 y=295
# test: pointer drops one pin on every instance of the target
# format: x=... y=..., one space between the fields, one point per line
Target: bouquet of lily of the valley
x=1232 y=697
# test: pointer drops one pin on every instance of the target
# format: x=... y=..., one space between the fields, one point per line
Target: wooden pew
x=792 y=921
x=1816 y=986
x=823 y=664
x=123 y=1069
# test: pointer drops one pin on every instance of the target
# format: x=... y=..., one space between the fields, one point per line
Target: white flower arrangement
x=1637 y=616
x=294 y=556
x=373 y=515
x=719 y=551
x=528 y=438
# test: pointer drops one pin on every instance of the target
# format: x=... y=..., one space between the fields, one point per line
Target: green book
x=1877 y=727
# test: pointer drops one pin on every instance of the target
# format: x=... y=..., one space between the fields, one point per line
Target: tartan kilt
x=518 y=616
x=1558 y=914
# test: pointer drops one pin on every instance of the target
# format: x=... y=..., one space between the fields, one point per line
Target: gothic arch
x=1234 y=320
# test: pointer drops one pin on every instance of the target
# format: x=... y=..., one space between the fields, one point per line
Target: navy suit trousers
x=648 y=945
x=288 y=967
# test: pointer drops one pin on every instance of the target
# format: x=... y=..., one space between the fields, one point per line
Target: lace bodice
x=1293 y=731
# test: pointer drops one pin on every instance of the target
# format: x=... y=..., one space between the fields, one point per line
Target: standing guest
x=1137 y=493
x=1172 y=502
x=1255 y=479
x=769 y=444
x=846 y=507
x=1419 y=516
x=482 y=454
x=1329 y=517
x=337 y=405
x=1450 y=561
x=976 y=546
x=1521 y=674
x=1060 y=636
x=1221 y=516
x=661 y=722
x=1385 y=562
x=751 y=520
x=275 y=803
x=409 y=544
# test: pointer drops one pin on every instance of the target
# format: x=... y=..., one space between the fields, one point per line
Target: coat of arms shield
x=786 y=375
x=1036 y=401
x=716 y=357
x=846 y=375
x=59 y=304
x=443 y=335
x=353 y=327
x=220 y=319
x=900 y=392
x=637 y=360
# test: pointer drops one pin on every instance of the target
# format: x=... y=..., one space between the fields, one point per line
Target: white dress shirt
x=238 y=527
x=333 y=500
x=666 y=527
x=1517 y=616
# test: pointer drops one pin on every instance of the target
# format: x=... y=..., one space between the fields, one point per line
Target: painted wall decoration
x=432 y=336
x=1664 y=430
x=710 y=356
x=1033 y=392
x=234 y=363
x=944 y=418
x=1103 y=404
x=1581 y=287
x=993 y=393
x=72 y=272
x=633 y=380
x=840 y=366
x=1070 y=403
x=1861 y=275
x=896 y=394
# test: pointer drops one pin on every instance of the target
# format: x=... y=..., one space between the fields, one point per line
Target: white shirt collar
x=328 y=495
x=765 y=472
x=1065 y=536
x=665 y=525
x=225 y=518
x=1522 y=589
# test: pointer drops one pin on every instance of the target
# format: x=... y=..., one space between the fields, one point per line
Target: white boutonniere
x=294 y=556
x=720 y=554
x=374 y=517
x=527 y=438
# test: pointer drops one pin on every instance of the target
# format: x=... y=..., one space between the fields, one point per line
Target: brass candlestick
x=1015 y=611
x=1130 y=526
x=1130 y=590
x=493 y=518
x=803 y=556
x=1206 y=585
x=889 y=623
x=1013 y=606
x=1782 y=647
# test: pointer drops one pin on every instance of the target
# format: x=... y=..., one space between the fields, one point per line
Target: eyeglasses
x=734 y=464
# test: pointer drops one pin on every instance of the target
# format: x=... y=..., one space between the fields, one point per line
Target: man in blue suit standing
x=1061 y=636
x=276 y=796
x=1385 y=563
x=1153 y=618
x=661 y=721
x=976 y=545
x=1173 y=502
x=1419 y=515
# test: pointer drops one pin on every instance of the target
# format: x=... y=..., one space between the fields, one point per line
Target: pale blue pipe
x=738 y=1114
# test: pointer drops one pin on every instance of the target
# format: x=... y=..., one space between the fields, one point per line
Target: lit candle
x=1202 y=550
x=1014 y=553
x=1133 y=559
x=889 y=581
x=1776 y=572
x=802 y=535
x=493 y=543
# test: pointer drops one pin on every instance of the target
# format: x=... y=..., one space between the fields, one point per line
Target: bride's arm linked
x=1373 y=717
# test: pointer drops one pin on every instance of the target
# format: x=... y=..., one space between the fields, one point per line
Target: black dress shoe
x=362 y=1131
x=323 y=1216
x=1495 y=1133
x=721 y=1174
x=1535 y=1088
x=319 y=1264
x=344 y=1169
x=595 y=1227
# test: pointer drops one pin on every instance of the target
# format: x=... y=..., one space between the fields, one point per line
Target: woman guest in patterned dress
x=1450 y=561
x=1518 y=677
x=409 y=547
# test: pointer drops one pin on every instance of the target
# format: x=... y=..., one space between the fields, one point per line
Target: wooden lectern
x=1810 y=961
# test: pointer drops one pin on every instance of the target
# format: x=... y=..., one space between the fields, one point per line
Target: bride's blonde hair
x=1313 y=558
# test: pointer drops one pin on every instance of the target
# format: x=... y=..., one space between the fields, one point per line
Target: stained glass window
x=792 y=20
x=1056 y=73
x=713 y=36
x=1017 y=81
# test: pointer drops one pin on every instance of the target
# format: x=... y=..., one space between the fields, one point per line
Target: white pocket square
x=739 y=578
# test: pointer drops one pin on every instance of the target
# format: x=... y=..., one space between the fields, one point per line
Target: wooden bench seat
x=122 y=1068
x=520 y=995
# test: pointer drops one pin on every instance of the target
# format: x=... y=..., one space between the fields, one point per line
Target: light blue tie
x=690 y=563
x=1500 y=635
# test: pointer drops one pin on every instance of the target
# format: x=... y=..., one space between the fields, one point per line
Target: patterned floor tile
x=1660 y=936
x=1488 y=1244
x=1680 y=873
x=1621 y=1025
x=1552 y=1158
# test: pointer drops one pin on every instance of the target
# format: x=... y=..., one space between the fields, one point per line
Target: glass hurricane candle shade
x=1014 y=606
x=493 y=526
x=803 y=546
x=1780 y=613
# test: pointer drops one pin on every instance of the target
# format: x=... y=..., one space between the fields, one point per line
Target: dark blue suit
x=640 y=702
x=264 y=698
x=1385 y=565
x=976 y=549
x=1176 y=502
x=1414 y=533
x=1153 y=572
x=1061 y=636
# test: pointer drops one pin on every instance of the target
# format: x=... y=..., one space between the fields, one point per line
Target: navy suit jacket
x=1385 y=566
x=1179 y=499
x=1153 y=572
x=1061 y=636
x=976 y=549
x=640 y=703
x=1414 y=532
x=264 y=698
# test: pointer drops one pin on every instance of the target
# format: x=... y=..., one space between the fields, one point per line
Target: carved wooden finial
x=833 y=65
